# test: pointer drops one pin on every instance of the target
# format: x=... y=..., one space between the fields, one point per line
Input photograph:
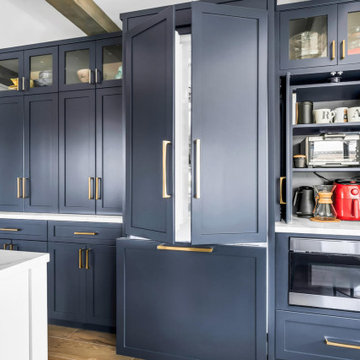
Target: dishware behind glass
x=354 y=114
x=323 y=116
x=341 y=115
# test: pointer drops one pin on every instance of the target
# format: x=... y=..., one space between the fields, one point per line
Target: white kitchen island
x=23 y=305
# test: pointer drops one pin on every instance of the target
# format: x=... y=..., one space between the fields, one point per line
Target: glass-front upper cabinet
x=11 y=74
x=308 y=37
x=108 y=70
x=77 y=66
x=349 y=33
x=89 y=65
x=41 y=70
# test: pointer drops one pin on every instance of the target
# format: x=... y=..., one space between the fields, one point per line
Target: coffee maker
x=304 y=201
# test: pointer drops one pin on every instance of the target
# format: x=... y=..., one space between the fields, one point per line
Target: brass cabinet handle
x=87 y=266
x=197 y=168
x=90 y=76
x=85 y=233
x=96 y=76
x=282 y=202
x=343 y=49
x=23 y=188
x=182 y=248
x=11 y=247
x=80 y=259
x=97 y=189
x=333 y=50
x=90 y=195
x=9 y=229
x=18 y=188
x=165 y=143
x=4 y=246
x=23 y=83
x=341 y=345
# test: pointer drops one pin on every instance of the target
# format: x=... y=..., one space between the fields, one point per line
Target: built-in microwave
x=324 y=273
x=332 y=150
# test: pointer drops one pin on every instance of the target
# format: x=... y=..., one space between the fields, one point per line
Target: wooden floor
x=75 y=344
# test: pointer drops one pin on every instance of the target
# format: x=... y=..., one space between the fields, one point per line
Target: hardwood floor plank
x=60 y=331
x=94 y=337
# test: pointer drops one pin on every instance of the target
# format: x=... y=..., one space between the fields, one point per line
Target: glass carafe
x=324 y=209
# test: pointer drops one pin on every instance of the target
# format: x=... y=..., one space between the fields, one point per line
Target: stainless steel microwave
x=332 y=150
x=324 y=273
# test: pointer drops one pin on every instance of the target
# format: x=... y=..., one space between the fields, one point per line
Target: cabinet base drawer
x=308 y=336
x=23 y=229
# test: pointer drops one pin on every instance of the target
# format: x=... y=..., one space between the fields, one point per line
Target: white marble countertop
x=20 y=260
x=61 y=217
x=306 y=226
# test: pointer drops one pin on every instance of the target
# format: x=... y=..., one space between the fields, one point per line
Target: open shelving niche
x=323 y=95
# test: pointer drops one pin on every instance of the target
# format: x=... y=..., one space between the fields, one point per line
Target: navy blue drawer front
x=87 y=232
x=304 y=336
x=23 y=229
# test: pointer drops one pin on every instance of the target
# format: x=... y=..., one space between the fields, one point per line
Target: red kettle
x=347 y=199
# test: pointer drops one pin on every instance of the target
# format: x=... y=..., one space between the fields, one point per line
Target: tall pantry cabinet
x=195 y=92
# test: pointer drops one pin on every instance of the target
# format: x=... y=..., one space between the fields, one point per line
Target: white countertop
x=306 y=226
x=61 y=217
x=20 y=260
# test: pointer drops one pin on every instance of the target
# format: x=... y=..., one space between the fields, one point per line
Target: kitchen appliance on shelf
x=304 y=201
x=332 y=150
x=324 y=210
x=347 y=199
x=324 y=273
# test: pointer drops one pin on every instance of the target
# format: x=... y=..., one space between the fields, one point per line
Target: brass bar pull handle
x=9 y=229
x=341 y=345
x=87 y=266
x=90 y=76
x=23 y=188
x=23 y=83
x=165 y=144
x=90 y=195
x=333 y=50
x=187 y=249
x=282 y=202
x=85 y=233
x=97 y=189
x=5 y=246
x=80 y=259
x=343 y=49
x=197 y=168
x=96 y=76
x=11 y=247
x=18 y=188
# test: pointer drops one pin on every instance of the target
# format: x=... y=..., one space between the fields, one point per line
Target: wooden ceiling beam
x=86 y=15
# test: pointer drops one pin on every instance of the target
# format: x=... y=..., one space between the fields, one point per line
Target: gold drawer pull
x=165 y=144
x=341 y=345
x=343 y=48
x=11 y=247
x=282 y=202
x=333 y=52
x=97 y=189
x=9 y=229
x=87 y=266
x=18 y=187
x=85 y=233
x=90 y=192
x=5 y=246
x=182 y=248
x=80 y=259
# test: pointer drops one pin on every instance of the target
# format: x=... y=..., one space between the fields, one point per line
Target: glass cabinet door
x=109 y=71
x=349 y=33
x=41 y=70
x=11 y=73
x=77 y=65
x=308 y=37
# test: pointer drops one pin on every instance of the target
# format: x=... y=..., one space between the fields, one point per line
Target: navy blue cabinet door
x=230 y=125
x=187 y=305
x=308 y=37
x=41 y=70
x=41 y=153
x=33 y=246
x=66 y=281
x=77 y=152
x=108 y=70
x=12 y=79
x=149 y=87
x=11 y=153
x=101 y=285
x=77 y=66
x=110 y=152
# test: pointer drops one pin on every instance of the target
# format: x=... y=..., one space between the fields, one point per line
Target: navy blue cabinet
x=77 y=151
x=228 y=195
x=40 y=185
x=174 y=304
x=12 y=80
x=11 y=150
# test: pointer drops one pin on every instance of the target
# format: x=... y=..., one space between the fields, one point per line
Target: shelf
x=324 y=85
x=324 y=169
x=304 y=129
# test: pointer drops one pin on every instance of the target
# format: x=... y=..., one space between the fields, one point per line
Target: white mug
x=323 y=116
x=354 y=114
x=341 y=114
